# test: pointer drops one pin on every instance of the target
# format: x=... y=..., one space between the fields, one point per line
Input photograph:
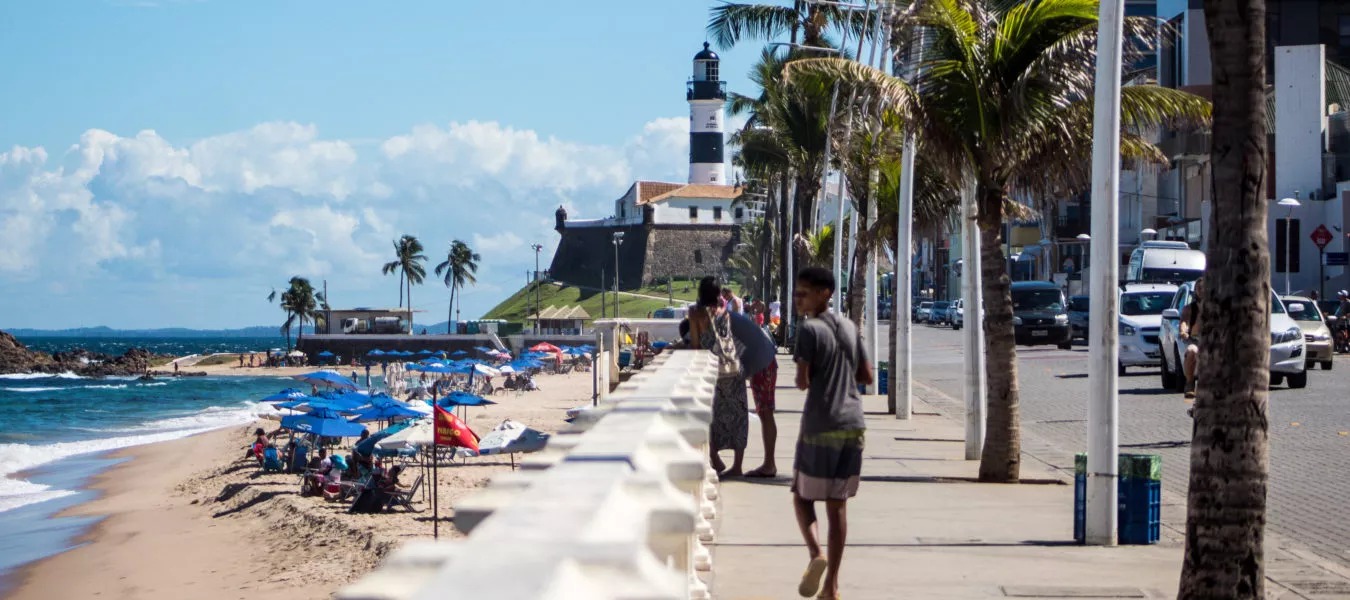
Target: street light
x=536 y=248
x=618 y=241
x=1291 y=204
x=1151 y=232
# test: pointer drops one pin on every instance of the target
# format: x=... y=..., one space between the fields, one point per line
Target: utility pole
x=618 y=241
x=1103 y=435
x=535 y=283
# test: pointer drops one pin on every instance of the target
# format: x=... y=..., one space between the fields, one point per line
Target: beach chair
x=404 y=499
x=271 y=461
x=299 y=458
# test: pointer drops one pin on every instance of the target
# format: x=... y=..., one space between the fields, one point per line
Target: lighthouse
x=707 y=95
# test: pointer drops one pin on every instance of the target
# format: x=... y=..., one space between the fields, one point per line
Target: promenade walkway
x=921 y=527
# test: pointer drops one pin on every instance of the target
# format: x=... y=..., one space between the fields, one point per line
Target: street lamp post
x=536 y=248
x=1291 y=204
x=1103 y=435
x=618 y=241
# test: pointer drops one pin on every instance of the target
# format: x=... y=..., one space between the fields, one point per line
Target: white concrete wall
x=1300 y=126
x=617 y=506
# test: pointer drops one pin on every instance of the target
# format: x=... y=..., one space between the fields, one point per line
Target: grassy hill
x=631 y=304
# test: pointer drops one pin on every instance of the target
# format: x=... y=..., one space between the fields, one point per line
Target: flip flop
x=760 y=474
x=811 y=578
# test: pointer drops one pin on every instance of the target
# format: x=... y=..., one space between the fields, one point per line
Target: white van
x=1165 y=262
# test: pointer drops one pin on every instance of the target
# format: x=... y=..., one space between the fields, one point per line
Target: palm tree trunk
x=857 y=272
x=410 y=313
x=400 y=289
x=894 y=355
x=784 y=248
x=1226 y=502
x=1002 y=458
x=450 y=312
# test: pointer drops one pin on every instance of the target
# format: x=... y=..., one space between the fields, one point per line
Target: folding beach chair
x=271 y=461
x=404 y=499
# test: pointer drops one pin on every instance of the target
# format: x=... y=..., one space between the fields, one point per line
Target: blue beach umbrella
x=327 y=378
x=367 y=446
x=376 y=352
x=326 y=353
x=464 y=399
x=483 y=349
x=325 y=427
x=459 y=353
x=285 y=395
x=385 y=413
x=425 y=351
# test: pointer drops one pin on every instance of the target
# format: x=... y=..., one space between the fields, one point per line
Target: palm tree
x=300 y=303
x=750 y=263
x=1226 y=501
x=730 y=22
x=407 y=263
x=460 y=267
x=1006 y=104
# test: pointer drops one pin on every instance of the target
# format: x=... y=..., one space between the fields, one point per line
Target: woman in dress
x=710 y=329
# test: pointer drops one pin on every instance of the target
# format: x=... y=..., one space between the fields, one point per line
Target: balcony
x=706 y=90
x=1069 y=226
x=1183 y=145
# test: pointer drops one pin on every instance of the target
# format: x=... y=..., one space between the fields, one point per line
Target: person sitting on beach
x=260 y=443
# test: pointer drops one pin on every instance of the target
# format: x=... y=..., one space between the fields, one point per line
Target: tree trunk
x=450 y=311
x=1226 y=505
x=1002 y=458
x=784 y=248
x=858 y=273
x=894 y=355
x=400 y=289
x=410 y=313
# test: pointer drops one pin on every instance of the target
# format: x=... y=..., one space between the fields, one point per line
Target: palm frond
x=730 y=23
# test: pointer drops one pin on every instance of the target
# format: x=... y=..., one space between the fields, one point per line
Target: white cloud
x=134 y=220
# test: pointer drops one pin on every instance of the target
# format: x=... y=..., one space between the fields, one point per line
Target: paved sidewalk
x=921 y=527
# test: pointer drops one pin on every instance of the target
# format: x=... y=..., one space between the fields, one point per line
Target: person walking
x=1191 y=328
x=710 y=329
x=831 y=362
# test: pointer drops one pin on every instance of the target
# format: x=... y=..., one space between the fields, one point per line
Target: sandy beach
x=191 y=519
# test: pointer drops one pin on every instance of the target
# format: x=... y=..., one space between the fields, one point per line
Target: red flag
x=450 y=431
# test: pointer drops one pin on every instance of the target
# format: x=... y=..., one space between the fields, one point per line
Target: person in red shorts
x=758 y=360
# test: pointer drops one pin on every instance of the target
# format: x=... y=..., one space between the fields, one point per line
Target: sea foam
x=15 y=458
x=66 y=375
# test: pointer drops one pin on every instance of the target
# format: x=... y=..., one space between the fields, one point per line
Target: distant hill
x=168 y=332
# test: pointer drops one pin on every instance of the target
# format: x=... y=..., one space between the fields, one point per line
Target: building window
x=740 y=213
x=1279 y=258
x=698 y=257
x=622 y=211
x=711 y=71
x=717 y=213
x=693 y=213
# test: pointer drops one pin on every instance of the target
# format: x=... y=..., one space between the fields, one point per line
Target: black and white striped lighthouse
x=707 y=95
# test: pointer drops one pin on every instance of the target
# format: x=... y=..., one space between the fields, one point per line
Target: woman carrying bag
x=710 y=329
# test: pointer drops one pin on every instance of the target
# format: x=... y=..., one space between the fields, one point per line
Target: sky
x=170 y=162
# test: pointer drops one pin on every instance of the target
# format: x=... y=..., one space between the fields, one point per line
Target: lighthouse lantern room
x=707 y=95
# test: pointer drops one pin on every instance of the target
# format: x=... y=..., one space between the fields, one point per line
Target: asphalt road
x=1309 y=496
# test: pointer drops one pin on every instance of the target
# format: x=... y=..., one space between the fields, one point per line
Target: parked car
x=914 y=304
x=1286 y=343
x=938 y=313
x=1040 y=314
x=1316 y=334
x=1078 y=317
x=958 y=311
x=884 y=308
x=1164 y=262
x=924 y=312
x=1141 y=308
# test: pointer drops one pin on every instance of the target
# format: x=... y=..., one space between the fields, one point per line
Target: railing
x=617 y=506
x=1070 y=226
x=706 y=90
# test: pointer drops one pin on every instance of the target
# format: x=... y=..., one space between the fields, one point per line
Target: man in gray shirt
x=831 y=362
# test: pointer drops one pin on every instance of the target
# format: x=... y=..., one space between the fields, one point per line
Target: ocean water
x=55 y=431
x=176 y=346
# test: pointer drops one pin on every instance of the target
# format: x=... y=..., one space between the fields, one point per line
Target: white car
x=1141 y=309
x=1287 y=353
x=958 y=313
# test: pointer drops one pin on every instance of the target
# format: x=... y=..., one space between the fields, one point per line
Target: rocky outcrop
x=17 y=358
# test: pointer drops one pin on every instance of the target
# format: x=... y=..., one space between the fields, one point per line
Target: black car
x=1040 y=314
x=1078 y=317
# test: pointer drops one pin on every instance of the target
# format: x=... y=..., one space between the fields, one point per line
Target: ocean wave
x=66 y=375
x=15 y=458
x=29 y=390
x=155 y=384
x=121 y=386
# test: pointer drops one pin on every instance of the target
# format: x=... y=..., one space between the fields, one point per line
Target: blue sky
x=167 y=162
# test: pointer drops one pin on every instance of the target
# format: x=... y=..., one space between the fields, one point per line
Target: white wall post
x=1103 y=356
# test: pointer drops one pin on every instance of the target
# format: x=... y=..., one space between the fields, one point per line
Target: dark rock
x=17 y=358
